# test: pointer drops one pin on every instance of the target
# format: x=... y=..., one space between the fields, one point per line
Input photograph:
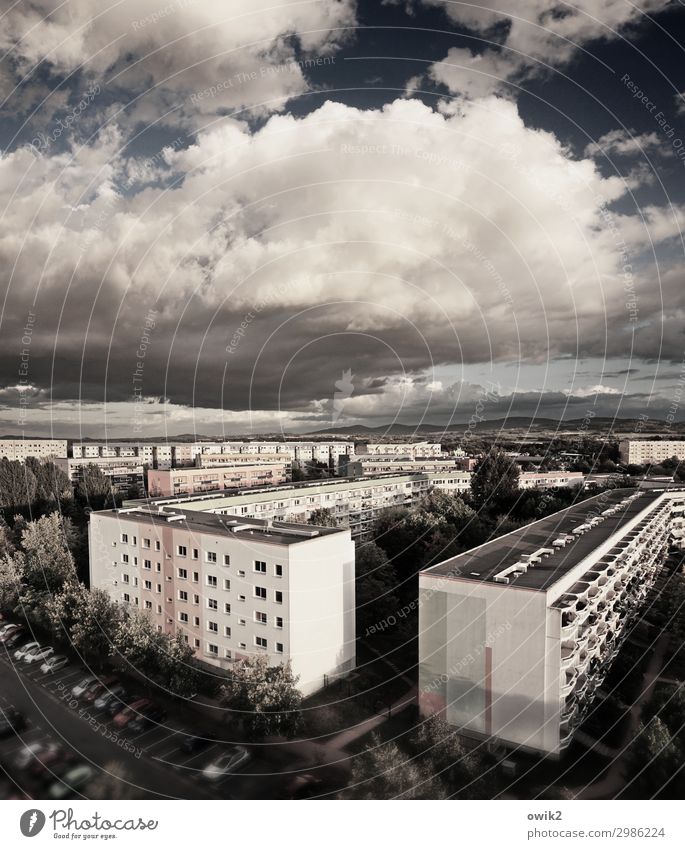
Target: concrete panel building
x=124 y=473
x=643 y=451
x=382 y=464
x=234 y=587
x=517 y=635
x=550 y=480
x=42 y=449
x=402 y=449
x=238 y=475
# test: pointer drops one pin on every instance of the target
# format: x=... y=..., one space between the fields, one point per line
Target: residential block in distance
x=42 y=449
x=517 y=635
x=642 y=451
x=234 y=587
x=191 y=479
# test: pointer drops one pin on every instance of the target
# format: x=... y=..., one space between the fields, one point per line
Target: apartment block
x=42 y=449
x=550 y=480
x=381 y=464
x=403 y=449
x=354 y=503
x=237 y=475
x=643 y=451
x=234 y=587
x=517 y=635
x=124 y=472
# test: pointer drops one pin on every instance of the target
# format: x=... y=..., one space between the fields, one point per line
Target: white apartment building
x=42 y=449
x=234 y=588
x=382 y=464
x=214 y=477
x=124 y=472
x=516 y=635
x=402 y=449
x=643 y=451
x=550 y=480
x=355 y=504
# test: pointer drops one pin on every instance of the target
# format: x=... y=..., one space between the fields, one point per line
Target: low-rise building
x=383 y=464
x=641 y=452
x=403 y=449
x=550 y=480
x=234 y=587
x=214 y=477
x=125 y=473
x=517 y=635
x=41 y=449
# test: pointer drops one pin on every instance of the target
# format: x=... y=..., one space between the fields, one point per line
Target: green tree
x=456 y=766
x=383 y=771
x=10 y=582
x=138 y=642
x=653 y=759
x=375 y=586
x=95 y=488
x=323 y=518
x=52 y=483
x=180 y=670
x=88 y=618
x=495 y=479
x=265 y=698
x=17 y=484
x=45 y=559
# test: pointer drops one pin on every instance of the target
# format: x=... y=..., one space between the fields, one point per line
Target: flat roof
x=487 y=560
x=238 y=527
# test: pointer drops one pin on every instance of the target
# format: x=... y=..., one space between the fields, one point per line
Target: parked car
x=129 y=713
x=79 y=689
x=72 y=782
x=107 y=697
x=34 y=750
x=55 y=762
x=147 y=719
x=23 y=650
x=119 y=703
x=13 y=639
x=11 y=631
x=195 y=743
x=11 y=721
x=226 y=764
x=96 y=688
x=52 y=664
x=41 y=653
x=6 y=626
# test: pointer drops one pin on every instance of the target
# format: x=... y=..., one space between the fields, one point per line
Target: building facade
x=354 y=503
x=42 y=449
x=517 y=635
x=402 y=449
x=124 y=473
x=643 y=451
x=234 y=588
x=214 y=477
x=382 y=464
x=550 y=480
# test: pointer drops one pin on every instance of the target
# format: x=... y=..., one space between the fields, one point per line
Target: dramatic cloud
x=251 y=269
x=627 y=143
x=530 y=37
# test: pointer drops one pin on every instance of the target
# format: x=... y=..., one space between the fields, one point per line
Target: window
x=183 y=617
x=148 y=585
x=278 y=570
x=124 y=538
x=183 y=574
x=196 y=621
x=227 y=653
x=124 y=577
x=196 y=553
x=227 y=631
x=212 y=649
x=260 y=642
x=260 y=592
x=127 y=598
x=227 y=585
x=212 y=581
x=241 y=598
x=159 y=608
x=242 y=622
x=212 y=604
x=279 y=648
x=124 y=558
x=260 y=566
x=278 y=597
x=242 y=645
x=197 y=643
x=182 y=551
x=227 y=559
x=213 y=627
x=196 y=598
x=148 y=605
x=147 y=564
x=210 y=556
x=227 y=608
x=146 y=543
x=241 y=573
x=135 y=541
x=196 y=577
x=182 y=595
x=158 y=588
x=260 y=617
x=158 y=545
x=279 y=621
x=158 y=567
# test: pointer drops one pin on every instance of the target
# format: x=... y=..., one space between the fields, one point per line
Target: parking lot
x=154 y=761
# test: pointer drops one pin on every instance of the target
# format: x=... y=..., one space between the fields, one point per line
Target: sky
x=266 y=216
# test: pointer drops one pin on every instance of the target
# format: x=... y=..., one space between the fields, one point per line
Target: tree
x=6 y=539
x=383 y=771
x=10 y=582
x=653 y=759
x=138 y=642
x=46 y=562
x=323 y=518
x=461 y=769
x=495 y=479
x=95 y=488
x=265 y=698
x=88 y=618
x=182 y=674
x=375 y=586
x=17 y=484
x=52 y=483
